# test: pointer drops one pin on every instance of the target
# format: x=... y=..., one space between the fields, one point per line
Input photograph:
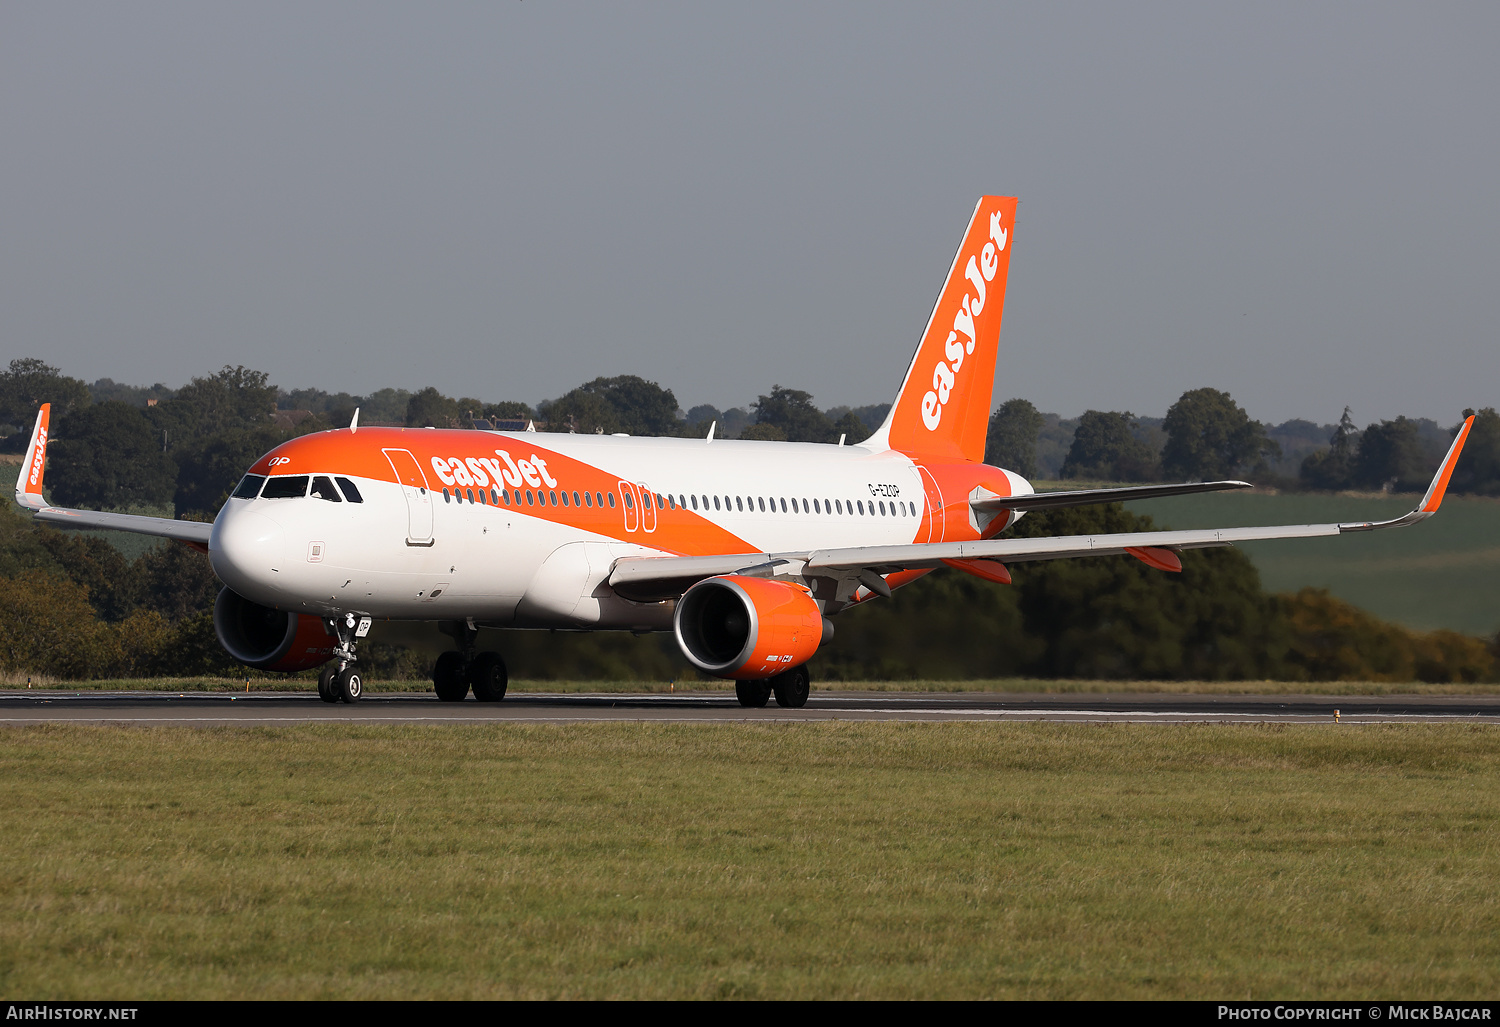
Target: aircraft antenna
x=354 y=422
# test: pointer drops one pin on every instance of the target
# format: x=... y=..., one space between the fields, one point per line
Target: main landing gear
x=339 y=681
x=485 y=674
x=458 y=671
x=790 y=687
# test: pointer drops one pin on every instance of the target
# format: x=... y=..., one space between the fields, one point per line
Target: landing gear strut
x=457 y=671
x=339 y=681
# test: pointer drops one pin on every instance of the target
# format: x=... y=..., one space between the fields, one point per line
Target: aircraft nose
x=247 y=550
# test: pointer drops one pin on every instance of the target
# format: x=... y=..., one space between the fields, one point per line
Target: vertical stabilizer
x=943 y=409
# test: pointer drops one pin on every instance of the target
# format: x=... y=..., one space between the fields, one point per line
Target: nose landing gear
x=339 y=681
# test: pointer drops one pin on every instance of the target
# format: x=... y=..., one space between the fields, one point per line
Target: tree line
x=118 y=447
x=1207 y=436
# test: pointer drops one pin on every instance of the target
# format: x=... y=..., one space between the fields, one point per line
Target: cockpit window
x=291 y=486
x=323 y=488
x=350 y=492
x=249 y=486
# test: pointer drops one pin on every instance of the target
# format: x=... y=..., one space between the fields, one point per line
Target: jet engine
x=270 y=639
x=738 y=627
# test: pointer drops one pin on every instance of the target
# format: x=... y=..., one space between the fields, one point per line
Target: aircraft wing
x=1084 y=497
x=665 y=577
x=29 y=495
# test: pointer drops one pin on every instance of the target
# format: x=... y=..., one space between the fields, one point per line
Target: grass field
x=839 y=860
x=1443 y=573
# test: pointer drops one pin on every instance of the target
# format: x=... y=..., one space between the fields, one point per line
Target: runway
x=205 y=709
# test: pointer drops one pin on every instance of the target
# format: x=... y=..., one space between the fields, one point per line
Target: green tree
x=1210 y=437
x=208 y=471
x=1478 y=469
x=793 y=412
x=385 y=406
x=27 y=384
x=1111 y=618
x=176 y=582
x=429 y=408
x=509 y=410
x=851 y=427
x=1390 y=456
x=1333 y=468
x=109 y=455
x=1011 y=440
x=763 y=433
x=1105 y=449
x=232 y=399
x=626 y=403
x=112 y=583
x=48 y=627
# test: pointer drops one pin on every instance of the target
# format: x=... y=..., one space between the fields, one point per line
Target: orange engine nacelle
x=738 y=627
x=270 y=639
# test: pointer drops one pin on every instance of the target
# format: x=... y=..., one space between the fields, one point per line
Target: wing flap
x=1085 y=497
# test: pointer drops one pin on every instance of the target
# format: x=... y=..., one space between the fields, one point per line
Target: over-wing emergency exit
x=745 y=550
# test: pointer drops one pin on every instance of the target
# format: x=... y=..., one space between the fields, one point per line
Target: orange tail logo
x=943 y=408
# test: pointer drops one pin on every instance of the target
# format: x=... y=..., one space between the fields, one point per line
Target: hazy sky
x=1293 y=202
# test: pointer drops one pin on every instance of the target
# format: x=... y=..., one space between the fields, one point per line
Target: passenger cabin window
x=351 y=492
x=249 y=486
x=291 y=486
x=322 y=487
x=611 y=500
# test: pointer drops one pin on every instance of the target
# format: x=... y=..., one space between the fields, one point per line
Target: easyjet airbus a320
x=745 y=550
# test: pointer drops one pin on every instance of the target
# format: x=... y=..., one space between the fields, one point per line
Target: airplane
x=746 y=550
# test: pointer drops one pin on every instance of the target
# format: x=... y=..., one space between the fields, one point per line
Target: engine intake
x=738 y=627
x=270 y=639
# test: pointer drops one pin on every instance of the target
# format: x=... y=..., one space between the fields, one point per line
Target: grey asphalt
x=267 y=708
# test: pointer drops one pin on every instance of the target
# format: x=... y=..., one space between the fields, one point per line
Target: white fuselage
x=515 y=564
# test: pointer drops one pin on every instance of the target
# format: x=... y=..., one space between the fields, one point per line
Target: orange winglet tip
x=989 y=570
x=1156 y=556
x=1439 y=486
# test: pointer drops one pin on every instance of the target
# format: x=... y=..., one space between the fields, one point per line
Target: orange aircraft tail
x=943 y=409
